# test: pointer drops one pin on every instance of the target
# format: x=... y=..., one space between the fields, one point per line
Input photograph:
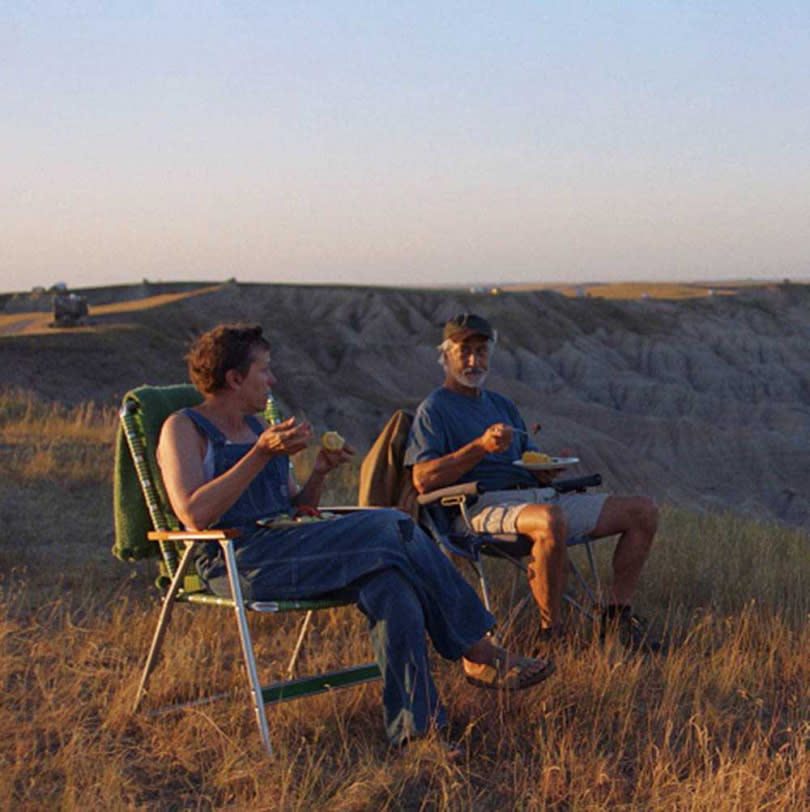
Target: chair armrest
x=474 y=488
x=193 y=535
x=577 y=484
x=343 y=510
x=462 y=489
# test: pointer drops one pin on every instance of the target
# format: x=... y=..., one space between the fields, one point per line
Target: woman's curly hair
x=227 y=346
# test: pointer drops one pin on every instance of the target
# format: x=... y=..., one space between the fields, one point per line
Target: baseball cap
x=467 y=324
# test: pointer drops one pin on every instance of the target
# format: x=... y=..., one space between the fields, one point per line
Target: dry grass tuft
x=44 y=441
x=722 y=722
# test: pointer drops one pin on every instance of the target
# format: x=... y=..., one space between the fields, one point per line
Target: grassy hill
x=704 y=402
x=722 y=722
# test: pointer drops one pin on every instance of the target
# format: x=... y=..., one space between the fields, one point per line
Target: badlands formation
x=703 y=402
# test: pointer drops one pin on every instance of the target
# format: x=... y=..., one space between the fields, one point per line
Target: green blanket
x=132 y=520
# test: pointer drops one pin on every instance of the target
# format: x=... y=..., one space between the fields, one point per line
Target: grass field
x=723 y=722
x=640 y=290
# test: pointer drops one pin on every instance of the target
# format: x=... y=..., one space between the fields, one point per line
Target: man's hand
x=498 y=437
x=287 y=437
x=545 y=478
x=327 y=461
x=438 y=473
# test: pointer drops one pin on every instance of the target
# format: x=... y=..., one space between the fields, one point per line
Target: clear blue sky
x=403 y=143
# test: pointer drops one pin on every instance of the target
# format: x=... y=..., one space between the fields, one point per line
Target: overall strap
x=254 y=423
x=206 y=427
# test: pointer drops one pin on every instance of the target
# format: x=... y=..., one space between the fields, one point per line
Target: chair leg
x=583 y=610
x=296 y=651
x=594 y=574
x=583 y=584
x=247 y=646
x=502 y=634
x=515 y=613
x=591 y=590
x=477 y=565
x=567 y=596
x=482 y=580
x=163 y=621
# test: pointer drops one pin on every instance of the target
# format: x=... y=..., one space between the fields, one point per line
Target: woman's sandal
x=523 y=673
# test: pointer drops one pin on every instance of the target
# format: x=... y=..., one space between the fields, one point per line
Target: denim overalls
x=400 y=579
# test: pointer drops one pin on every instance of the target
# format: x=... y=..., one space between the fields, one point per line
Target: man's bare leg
x=547 y=528
x=636 y=519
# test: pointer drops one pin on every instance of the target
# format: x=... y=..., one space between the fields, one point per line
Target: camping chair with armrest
x=439 y=510
x=384 y=481
x=146 y=526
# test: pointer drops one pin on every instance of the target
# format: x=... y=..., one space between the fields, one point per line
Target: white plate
x=556 y=462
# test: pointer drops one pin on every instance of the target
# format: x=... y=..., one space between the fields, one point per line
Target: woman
x=225 y=467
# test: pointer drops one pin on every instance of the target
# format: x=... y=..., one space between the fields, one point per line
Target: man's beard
x=470 y=378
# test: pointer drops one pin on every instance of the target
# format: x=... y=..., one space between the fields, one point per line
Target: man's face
x=467 y=361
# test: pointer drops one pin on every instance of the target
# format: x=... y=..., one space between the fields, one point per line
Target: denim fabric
x=400 y=579
x=267 y=495
x=396 y=625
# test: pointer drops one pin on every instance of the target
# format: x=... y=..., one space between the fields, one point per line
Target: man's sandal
x=523 y=673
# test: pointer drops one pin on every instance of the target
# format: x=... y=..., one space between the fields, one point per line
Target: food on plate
x=534 y=458
x=332 y=441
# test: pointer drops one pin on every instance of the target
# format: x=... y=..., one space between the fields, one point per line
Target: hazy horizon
x=452 y=144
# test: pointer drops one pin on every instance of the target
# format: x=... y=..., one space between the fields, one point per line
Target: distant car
x=69 y=310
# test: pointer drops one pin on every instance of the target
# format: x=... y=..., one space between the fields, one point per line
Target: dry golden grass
x=723 y=722
x=638 y=290
x=150 y=302
x=45 y=441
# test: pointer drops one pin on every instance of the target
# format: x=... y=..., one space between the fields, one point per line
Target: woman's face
x=259 y=381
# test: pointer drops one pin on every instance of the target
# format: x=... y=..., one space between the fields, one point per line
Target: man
x=225 y=467
x=464 y=433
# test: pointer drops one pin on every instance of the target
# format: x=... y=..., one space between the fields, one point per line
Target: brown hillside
x=704 y=401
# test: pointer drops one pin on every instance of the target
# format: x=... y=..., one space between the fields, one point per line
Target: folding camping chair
x=439 y=510
x=141 y=502
x=384 y=481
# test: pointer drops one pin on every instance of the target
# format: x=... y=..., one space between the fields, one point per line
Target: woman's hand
x=327 y=461
x=287 y=437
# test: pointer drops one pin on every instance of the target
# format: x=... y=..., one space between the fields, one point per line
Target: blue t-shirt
x=445 y=421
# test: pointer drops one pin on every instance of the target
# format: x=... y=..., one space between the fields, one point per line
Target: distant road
x=31 y=323
x=24 y=323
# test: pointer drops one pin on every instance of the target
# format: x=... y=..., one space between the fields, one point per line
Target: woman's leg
x=455 y=618
x=318 y=558
x=397 y=627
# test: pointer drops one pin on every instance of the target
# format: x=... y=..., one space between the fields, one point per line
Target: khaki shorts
x=497 y=511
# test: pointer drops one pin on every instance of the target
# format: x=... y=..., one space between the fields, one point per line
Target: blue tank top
x=269 y=492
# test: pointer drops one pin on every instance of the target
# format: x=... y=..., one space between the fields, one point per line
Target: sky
x=408 y=143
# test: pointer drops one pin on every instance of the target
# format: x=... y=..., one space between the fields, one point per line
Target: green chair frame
x=176 y=553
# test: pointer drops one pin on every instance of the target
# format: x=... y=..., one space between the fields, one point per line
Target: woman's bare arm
x=199 y=503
